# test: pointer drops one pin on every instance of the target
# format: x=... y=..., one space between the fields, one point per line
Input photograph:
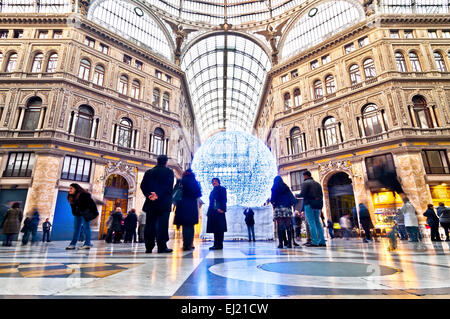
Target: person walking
x=141 y=226
x=115 y=229
x=400 y=220
x=157 y=187
x=444 y=218
x=186 y=212
x=46 y=230
x=130 y=224
x=250 y=222
x=31 y=228
x=83 y=210
x=411 y=221
x=433 y=222
x=330 y=228
x=313 y=202
x=346 y=227
x=11 y=223
x=298 y=225
x=282 y=201
x=365 y=221
x=217 y=222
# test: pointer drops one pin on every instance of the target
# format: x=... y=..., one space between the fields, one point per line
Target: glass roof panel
x=122 y=18
x=24 y=6
x=331 y=18
x=415 y=6
x=218 y=100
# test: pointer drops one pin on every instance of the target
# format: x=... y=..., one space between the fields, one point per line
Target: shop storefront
x=385 y=206
x=440 y=193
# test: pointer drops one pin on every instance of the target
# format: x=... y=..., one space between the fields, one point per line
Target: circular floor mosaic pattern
x=325 y=273
x=326 y=268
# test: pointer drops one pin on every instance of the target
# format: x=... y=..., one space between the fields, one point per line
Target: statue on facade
x=180 y=35
x=271 y=34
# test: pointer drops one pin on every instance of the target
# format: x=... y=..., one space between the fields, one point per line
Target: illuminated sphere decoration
x=244 y=165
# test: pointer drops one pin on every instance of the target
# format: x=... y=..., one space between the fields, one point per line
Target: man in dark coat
x=433 y=222
x=157 y=186
x=130 y=224
x=313 y=202
x=250 y=222
x=217 y=222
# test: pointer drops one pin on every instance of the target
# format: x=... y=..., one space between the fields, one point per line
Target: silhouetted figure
x=250 y=222
x=217 y=223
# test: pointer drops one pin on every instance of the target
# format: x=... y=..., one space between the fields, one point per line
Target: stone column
x=43 y=191
x=412 y=174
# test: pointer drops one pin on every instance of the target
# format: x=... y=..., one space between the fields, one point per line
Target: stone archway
x=326 y=172
x=341 y=198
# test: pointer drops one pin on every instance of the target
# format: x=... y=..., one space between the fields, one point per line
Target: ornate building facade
x=380 y=89
x=78 y=103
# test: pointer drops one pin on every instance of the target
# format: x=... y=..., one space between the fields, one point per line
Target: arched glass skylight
x=132 y=23
x=48 y=6
x=215 y=11
x=316 y=26
x=225 y=75
x=415 y=6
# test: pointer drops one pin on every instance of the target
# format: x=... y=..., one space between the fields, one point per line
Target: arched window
x=422 y=112
x=158 y=141
x=297 y=97
x=440 y=64
x=135 y=89
x=165 y=101
x=318 y=90
x=296 y=141
x=415 y=63
x=369 y=69
x=287 y=101
x=330 y=87
x=355 y=75
x=125 y=130
x=400 y=61
x=99 y=75
x=32 y=114
x=11 y=63
x=85 y=69
x=85 y=120
x=52 y=61
x=37 y=63
x=156 y=95
x=330 y=131
x=371 y=120
x=123 y=85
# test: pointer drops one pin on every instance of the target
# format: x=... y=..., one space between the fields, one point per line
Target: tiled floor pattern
x=343 y=269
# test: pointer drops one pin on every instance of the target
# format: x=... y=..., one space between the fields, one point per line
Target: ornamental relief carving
x=332 y=166
x=123 y=169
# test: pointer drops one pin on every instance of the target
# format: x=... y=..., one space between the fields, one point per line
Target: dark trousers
x=141 y=233
x=330 y=231
x=446 y=227
x=435 y=236
x=366 y=231
x=26 y=236
x=402 y=232
x=218 y=239
x=414 y=233
x=251 y=232
x=46 y=234
x=188 y=236
x=156 y=229
x=130 y=235
x=8 y=239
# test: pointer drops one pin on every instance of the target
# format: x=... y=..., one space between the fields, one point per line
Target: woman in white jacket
x=411 y=221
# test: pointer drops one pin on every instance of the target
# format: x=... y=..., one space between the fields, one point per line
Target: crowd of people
x=289 y=213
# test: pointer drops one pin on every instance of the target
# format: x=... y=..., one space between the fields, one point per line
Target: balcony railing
x=374 y=140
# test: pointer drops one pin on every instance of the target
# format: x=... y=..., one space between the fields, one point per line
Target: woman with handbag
x=282 y=200
x=186 y=212
x=84 y=210
x=11 y=223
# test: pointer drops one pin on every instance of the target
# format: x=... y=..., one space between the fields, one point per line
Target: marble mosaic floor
x=343 y=269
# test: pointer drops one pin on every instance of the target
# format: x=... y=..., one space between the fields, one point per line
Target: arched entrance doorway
x=116 y=195
x=341 y=197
